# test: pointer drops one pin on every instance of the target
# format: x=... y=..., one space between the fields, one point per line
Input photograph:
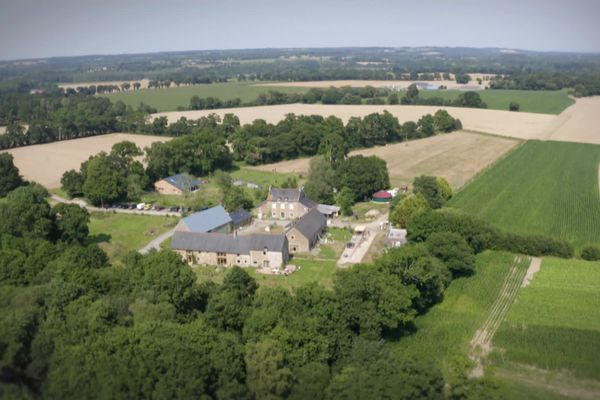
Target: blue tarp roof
x=207 y=220
x=183 y=181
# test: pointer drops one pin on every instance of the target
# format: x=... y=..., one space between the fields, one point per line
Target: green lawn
x=118 y=234
x=555 y=322
x=538 y=101
x=320 y=271
x=548 y=188
x=170 y=99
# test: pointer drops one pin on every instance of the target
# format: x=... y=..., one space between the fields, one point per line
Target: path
x=83 y=204
x=356 y=254
x=155 y=244
x=481 y=344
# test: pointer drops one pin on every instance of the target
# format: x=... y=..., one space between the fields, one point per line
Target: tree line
x=73 y=326
x=301 y=136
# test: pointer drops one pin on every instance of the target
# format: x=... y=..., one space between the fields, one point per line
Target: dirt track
x=45 y=163
x=456 y=156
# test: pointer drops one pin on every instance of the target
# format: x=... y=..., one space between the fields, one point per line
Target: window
x=221 y=259
x=294 y=249
x=291 y=206
x=274 y=214
x=282 y=214
x=292 y=237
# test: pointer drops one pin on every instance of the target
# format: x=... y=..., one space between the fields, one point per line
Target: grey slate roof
x=327 y=209
x=240 y=216
x=227 y=243
x=311 y=224
x=207 y=220
x=291 y=195
x=183 y=181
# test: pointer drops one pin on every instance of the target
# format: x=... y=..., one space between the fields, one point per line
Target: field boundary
x=481 y=344
x=520 y=143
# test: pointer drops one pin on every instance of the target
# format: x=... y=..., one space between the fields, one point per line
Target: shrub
x=590 y=253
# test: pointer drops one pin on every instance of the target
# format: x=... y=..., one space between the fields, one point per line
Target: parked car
x=141 y=206
x=148 y=207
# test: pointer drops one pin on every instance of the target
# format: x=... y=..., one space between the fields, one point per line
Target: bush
x=590 y=253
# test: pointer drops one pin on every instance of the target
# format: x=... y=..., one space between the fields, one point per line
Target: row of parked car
x=145 y=207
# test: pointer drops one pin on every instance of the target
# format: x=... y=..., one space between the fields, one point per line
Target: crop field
x=542 y=327
x=445 y=332
x=539 y=101
x=548 y=188
x=450 y=156
x=171 y=99
x=46 y=163
x=118 y=234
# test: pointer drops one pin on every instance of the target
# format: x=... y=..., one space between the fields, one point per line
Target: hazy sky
x=42 y=28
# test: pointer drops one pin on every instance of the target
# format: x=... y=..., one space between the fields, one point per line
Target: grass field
x=170 y=99
x=118 y=234
x=443 y=334
x=539 y=101
x=555 y=323
x=548 y=188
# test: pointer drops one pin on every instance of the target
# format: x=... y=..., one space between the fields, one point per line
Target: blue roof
x=183 y=181
x=207 y=220
x=240 y=216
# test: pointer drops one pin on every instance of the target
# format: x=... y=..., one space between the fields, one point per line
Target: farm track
x=481 y=344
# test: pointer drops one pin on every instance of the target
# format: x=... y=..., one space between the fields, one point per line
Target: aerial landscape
x=274 y=200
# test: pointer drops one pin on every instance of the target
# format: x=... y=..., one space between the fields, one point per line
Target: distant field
x=542 y=101
x=548 y=188
x=457 y=156
x=555 y=322
x=170 y=99
x=46 y=163
x=118 y=234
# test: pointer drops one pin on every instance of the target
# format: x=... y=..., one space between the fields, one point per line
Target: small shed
x=382 y=197
x=240 y=217
x=396 y=237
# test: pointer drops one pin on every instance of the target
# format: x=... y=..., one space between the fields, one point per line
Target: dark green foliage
x=321 y=181
x=430 y=189
x=345 y=199
x=590 y=253
x=363 y=175
x=514 y=106
x=462 y=78
x=453 y=250
x=26 y=213
x=72 y=183
x=72 y=222
x=9 y=174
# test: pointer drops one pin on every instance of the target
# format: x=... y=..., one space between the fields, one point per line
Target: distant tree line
x=582 y=84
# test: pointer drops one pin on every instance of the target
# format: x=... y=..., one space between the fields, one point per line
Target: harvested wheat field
x=45 y=163
x=472 y=85
x=458 y=157
x=578 y=123
x=504 y=123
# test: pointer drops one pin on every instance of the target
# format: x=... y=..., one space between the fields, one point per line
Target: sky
x=45 y=28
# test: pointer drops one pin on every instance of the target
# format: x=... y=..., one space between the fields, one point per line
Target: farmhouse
x=285 y=204
x=304 y=233
x=214 y=219
x=256 y=250
x=177 y=184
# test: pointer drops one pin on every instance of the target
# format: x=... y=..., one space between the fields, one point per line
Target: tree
x=103 y=183
x=345 y=199
x=407 y=208
x=445 y=187
x=443 y=122
x=9 y=174
x=426 y=126
x=237 y=198
x=363 y=175
x=72 y=183
x=412 y=95
x=321 y=181
x=462 y=78
x=334 y=148
x=469 y=99
x=72 y=222
x=268 y=376
x=514 y=106
x=393 y=98
x=453 y=250
x=26 y=213
x=430 y=189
